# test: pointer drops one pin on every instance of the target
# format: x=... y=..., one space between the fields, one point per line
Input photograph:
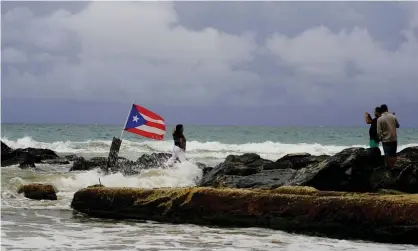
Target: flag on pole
x=145 y=123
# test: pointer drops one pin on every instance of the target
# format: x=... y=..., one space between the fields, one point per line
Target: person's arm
x=182 y=144
x=397 y=123
x=367 y=118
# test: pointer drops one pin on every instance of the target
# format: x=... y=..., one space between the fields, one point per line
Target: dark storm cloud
x=225 y=57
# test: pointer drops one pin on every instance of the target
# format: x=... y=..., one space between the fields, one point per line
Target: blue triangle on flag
x=135 y=119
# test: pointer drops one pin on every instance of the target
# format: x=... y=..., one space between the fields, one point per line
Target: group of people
x=383 y=128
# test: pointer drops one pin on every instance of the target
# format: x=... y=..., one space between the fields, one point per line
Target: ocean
x=52 y=225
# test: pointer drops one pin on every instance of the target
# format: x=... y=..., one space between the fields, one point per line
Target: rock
x=266 y=179
x=19 y=155
x=154 y=160
x=402 y=179
x=81 y=164
x=371 y=217
x=5 y=148
x=410 y=153
x=353 y=169
x=295 y=161
x=56 y=161
x=28 y=162
x=242 y=165
x=38 y=191
x=340 y=172
x=71 y=157
x=96 y=185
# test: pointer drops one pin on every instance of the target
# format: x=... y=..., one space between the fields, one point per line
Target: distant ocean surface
x=46 y=225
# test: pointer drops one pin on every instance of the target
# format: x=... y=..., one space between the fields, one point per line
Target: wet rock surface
x=38 y=191
x=353 y=169
x=375 y=217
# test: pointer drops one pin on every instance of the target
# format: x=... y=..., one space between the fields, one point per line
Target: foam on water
x=181 y=175
x=195 y=149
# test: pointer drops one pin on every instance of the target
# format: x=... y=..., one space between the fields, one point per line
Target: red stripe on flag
x=148 y=113
x=145 y=134
x=156 y=125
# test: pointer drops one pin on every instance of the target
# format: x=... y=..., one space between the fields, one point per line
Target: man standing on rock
x=386 y=129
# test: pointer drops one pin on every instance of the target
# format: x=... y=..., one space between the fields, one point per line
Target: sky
x=212 y=63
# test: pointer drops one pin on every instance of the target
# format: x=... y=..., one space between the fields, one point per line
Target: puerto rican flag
x=145 y=123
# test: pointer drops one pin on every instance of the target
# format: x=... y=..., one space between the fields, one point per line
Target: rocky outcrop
x=374 y=217
x=125 y=166
x=5 y=148
x=81 y=164
x=27 y=156
x=353 y=169
x=37 y=191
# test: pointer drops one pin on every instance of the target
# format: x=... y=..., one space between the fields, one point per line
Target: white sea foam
x=195 y=149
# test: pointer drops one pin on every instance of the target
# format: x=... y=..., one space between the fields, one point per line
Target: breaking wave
x=195 y=149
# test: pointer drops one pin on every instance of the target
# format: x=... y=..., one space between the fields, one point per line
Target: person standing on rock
x=373 y=136
x=179 y=147
x=386 y=129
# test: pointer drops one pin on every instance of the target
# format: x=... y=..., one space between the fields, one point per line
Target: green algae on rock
x=376 y=217
x=38 y=191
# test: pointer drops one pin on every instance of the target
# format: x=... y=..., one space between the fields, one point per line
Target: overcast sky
x=255 y=63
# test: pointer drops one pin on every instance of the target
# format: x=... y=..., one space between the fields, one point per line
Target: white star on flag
x=135 y=118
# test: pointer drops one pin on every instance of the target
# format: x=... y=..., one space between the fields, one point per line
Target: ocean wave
x=195 y=149
x=181 y=175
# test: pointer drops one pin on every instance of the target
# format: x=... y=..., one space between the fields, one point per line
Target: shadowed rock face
x=37 y=191
x=353 y=169
x=25 y=157
x=382 y=218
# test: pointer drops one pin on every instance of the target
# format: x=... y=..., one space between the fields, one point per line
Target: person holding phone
x=373 y=135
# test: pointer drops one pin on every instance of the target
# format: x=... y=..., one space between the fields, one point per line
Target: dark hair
x=378 y=109
x=178 y=130
x=384 y=108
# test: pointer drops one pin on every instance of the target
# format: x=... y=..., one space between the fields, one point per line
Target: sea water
x=52 y=225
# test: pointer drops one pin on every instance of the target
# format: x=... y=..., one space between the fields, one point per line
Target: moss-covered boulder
x=38 y=191
x=376 y=217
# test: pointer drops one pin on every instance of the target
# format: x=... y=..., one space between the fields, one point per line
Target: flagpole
x=127 y=117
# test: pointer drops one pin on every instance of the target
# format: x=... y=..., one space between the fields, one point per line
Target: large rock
x=250 y=170
x=295 y=161
x=81 y=164
x=37 y=191
x=347 y=170
x=27 y=156
x=404 y=177
x=353 y=169
x=5 y=148
x=237 y=166
x=373 y=217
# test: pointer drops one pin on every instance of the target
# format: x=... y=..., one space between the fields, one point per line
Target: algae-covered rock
x=96 y=185
x=376 y=217
x=38 y=191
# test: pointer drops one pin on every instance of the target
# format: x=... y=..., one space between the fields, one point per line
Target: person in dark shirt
x=373 y=135
x=179 y=147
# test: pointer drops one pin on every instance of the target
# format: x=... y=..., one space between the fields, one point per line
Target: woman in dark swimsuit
x=179 y=147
